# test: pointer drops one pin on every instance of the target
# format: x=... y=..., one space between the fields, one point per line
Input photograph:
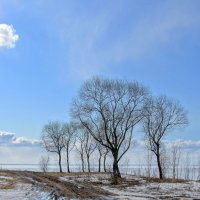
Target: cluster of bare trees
x=105 y=114
x=176 y=163
x=86 y=146
x=57 y=137
x=62 y=138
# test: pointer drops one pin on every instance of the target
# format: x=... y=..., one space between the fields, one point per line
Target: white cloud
x=23 y=141
x=18 y=150
x=8 y=36
x=9 y=139
x=184 y=144
x=6 y=137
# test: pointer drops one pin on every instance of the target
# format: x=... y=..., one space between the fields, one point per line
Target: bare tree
x=53 y=139
x=80 y=147
x=44 y=162
x=69 y=131
x=176 y=154
x=165 y=162
x=161 y=116
x=149 y=159
x=106 y=151
x=103 y=152
x=100 y=149
x=198 y=169
x=89 y=145
x=109 y=110
x=126 y=165
x=187 y=166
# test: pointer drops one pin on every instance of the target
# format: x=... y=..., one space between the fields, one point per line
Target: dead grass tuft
x=165 y=180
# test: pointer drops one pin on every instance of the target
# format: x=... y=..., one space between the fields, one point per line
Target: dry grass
x=165 y=180
x=8 y=183
x=58 y=174
x=50 y=182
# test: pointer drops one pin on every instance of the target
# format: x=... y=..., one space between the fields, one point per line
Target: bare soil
x=58 y=188
x=98 y=186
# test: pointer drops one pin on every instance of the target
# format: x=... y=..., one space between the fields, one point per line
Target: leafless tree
x=89 y=146
x=165 y=162
x=69 y=131
x=105 y=153
x=44 y=162
x=149 y=159
x=81 y=137
x=161 y=116
x=53 y=139
x=126 y=165
x=85 y=145
x=100 y=149
x=187 y=166
x=109 y=110
x=198 y=169
x=176 y=154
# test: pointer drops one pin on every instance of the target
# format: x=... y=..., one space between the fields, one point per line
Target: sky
x=49 y=48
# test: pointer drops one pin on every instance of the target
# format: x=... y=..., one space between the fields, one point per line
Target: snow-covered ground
x=130 y=187
x=188 y=190
x=13 y=188
x=24 y=192
x=134 y=188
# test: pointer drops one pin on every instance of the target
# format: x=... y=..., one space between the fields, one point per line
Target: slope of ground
x=134 y=188
x=13 y=187
x=36 y=185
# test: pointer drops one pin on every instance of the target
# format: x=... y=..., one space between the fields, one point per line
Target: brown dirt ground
x=58 y=188
x=62 y=188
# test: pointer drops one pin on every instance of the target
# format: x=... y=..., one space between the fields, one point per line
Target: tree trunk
x=99 y=163
x=88 y=162
x=82 y=159
x=60 y=167
x=116 y=172
x=68 y=170
x=104 y=161
x=159 y=165
x=174 y=170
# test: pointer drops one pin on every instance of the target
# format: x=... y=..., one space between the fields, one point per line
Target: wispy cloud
x=8 y=36
x=89 y=39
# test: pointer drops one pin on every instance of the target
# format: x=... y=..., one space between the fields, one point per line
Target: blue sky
x=62 y=43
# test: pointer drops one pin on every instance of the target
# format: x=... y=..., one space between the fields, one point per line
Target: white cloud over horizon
x=8 y=36
x=9 y=139
x=18 y=150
